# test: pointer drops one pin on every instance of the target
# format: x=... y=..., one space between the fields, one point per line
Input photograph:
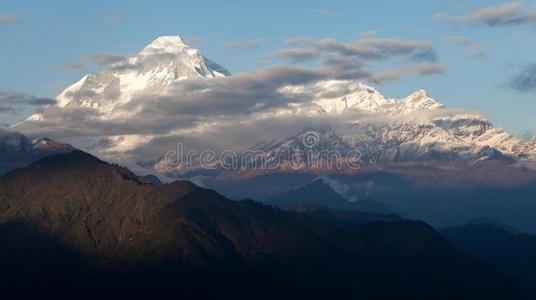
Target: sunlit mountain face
x=169 y=74
x=294 y=162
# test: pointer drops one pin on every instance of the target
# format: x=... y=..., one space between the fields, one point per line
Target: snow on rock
x=420 y=127
x=155 y=69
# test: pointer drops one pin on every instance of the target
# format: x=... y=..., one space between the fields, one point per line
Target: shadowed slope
x=125 y=237
x=512 y=253
x=320 y=193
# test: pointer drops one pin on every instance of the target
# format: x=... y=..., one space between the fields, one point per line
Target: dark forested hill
x=510 y=252
x=72 y=226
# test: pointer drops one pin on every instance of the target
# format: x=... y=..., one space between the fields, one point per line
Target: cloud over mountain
x=144 y=104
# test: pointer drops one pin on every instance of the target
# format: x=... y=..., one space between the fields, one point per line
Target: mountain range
x=165 y=61
x=72 y=225
x=415 y=155
x=383 y=130
x=512 y=253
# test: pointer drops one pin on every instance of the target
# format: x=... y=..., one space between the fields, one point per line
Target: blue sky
x=37 y=38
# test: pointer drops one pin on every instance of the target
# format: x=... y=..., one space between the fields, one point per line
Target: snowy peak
x=420 y=100
x=337 y=96
x=17 y=150
x=419 y=94
x=165 y=44
x=164 y=62
x=11 y=141
x=368 y=96
x=46 y=144
x=170 y=56
x=383 y=129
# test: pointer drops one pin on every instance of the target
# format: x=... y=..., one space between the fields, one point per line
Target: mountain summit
x=165 y=44
x=165 y=61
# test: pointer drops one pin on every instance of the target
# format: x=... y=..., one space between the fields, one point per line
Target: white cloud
x=235 y=110
x=298 y=54
x=509 y=13
x=369 y=48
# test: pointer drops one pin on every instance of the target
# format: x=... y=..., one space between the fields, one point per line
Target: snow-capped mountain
x=411 y=128
x=153 y=71
x=17 y=150
x=162 y=63
x=405 y=142
x=418 y=129
x=382 y=129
